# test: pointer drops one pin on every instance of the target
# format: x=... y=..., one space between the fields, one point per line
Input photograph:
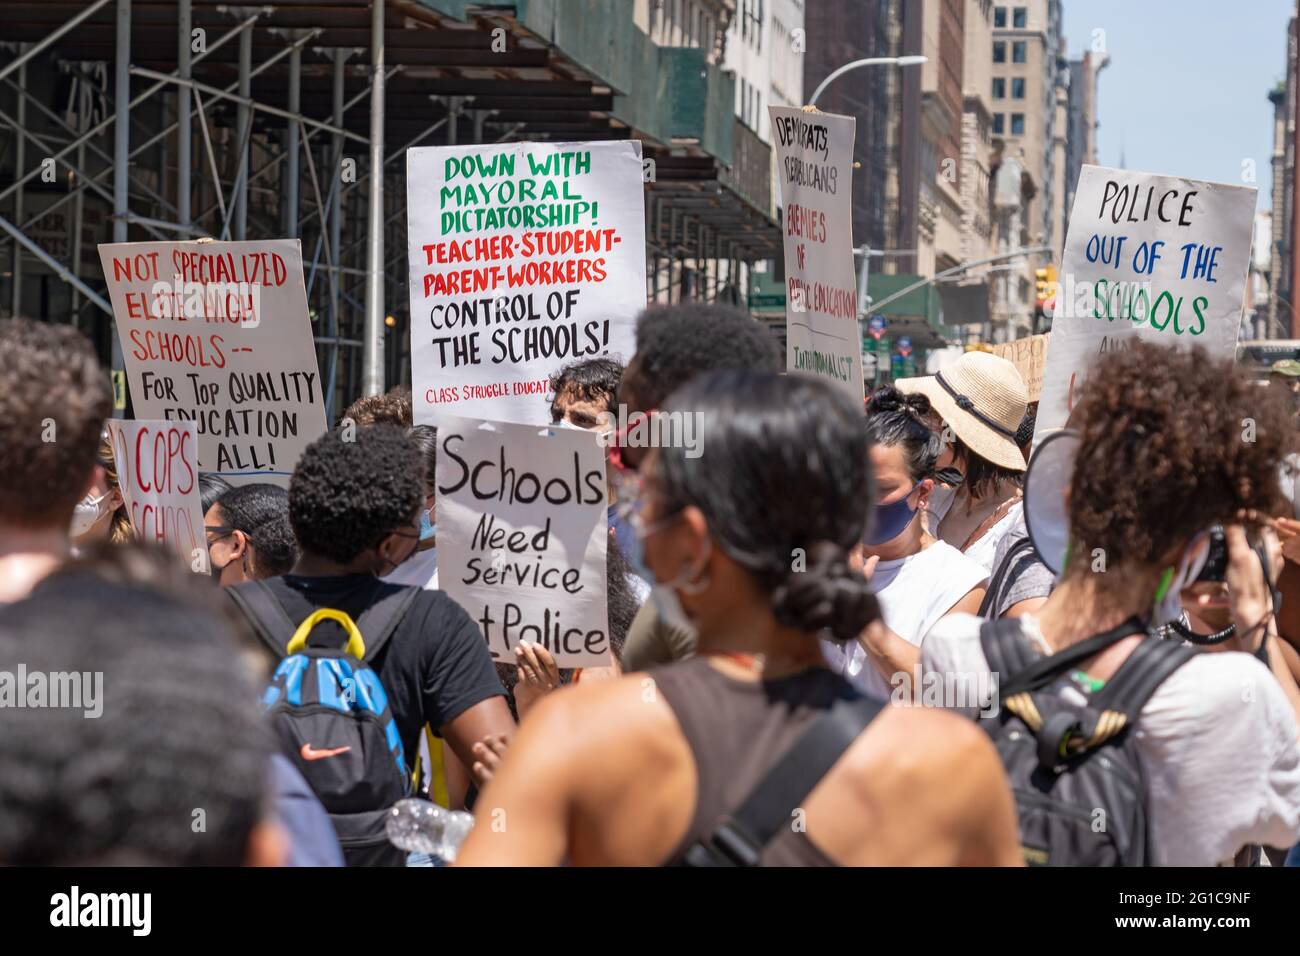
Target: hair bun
x=890 y=399
x=828 y=595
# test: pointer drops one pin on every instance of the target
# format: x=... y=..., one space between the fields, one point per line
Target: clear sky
x=1186 y=91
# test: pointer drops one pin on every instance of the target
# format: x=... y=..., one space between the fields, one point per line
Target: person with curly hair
x=640 y=770
x=1163 y=456
x=392 y=407
x=52 y=409
x=355 y=509
x=918 y=579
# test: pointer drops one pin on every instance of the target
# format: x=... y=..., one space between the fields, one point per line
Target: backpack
x=1080 y=791
x=330 y=714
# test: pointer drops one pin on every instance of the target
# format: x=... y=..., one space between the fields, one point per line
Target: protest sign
x=814 y=153
x=524 y=258
x=522 y=531
x=217 y=333
x=1146 y=257
x=1027 y=356
x=158 y=472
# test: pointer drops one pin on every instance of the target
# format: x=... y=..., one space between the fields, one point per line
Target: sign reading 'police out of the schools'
x=522 y=532
x=524 y=258
x=217 y=333
x=1146 y=257
x=157 y=466
x=814 y=154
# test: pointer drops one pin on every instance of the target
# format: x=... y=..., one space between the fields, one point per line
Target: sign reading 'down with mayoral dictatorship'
x=524 y=258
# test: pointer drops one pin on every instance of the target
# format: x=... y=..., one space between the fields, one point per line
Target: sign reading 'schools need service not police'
x=814 y=154
x=524 y=258
x=1146 y=257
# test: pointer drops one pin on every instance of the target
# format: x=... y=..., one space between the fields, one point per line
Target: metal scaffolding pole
x=372 y=382
x=121 y=147
x=60 y=269
x=291 y=148
x=336 y=232
x=53 y=38
x=245 y=126
x=185 y=130
x=20 y=163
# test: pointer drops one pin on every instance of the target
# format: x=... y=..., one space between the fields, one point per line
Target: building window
x=999 y=16
x=1019 y=17
x=1018 y=51
x=999 y=88
x=999 y=52
x=1017 y=124
x=1017 y=88
x=998 y=121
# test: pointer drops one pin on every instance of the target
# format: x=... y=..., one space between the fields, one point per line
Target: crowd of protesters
x=780 y=608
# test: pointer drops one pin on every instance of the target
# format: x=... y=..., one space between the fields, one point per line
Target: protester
x=211 y=487
x=1161 y=459
x=674 y=344
x=584 y=392
x=52 y=408
x=389 y=408
x=917 y=579
x=101 y=515
x=636 y=771
x=421 y=569
x=248 y=534
x=354 y=507
x=981 y=400
x=173 y=768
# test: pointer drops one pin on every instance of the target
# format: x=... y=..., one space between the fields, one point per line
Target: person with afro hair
x=355 y=509
x=1171 y=443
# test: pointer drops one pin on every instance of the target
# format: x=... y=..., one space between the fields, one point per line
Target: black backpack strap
x=1006 y=648
x=739 y=840
x=271 y=622
x=378 y=622
x=1044 y=669
x=1141 y=674
x=998 y=583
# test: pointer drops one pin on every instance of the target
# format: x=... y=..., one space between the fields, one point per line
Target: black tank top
x=737 y=731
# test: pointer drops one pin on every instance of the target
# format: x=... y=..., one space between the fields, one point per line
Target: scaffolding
x=129 y=120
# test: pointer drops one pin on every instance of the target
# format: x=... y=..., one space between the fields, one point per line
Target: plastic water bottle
x=418 y=826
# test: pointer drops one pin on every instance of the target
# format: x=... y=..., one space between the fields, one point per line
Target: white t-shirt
x=421 y=569
x=982 y=550
x=914 y=592
x=1217 y=743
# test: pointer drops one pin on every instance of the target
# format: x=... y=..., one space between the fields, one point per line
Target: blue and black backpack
x=330 y=712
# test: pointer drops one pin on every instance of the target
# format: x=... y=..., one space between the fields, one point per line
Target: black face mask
x=212 y=565
x=949 y=476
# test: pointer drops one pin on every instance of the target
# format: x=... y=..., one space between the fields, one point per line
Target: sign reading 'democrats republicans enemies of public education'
x=1146 y=257
x=217 y=333
x=814 y=153
x=158 y=471
x=522 y=531
x=524 y=257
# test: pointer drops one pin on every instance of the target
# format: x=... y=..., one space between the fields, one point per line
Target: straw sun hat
x=982 y=398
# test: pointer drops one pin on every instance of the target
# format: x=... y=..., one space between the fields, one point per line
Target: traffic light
x=1045 y=290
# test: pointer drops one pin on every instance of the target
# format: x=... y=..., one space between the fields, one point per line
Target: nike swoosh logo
x=308 y=752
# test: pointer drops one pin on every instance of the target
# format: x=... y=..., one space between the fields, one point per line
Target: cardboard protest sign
x=522 y=531
x=157 y=467
x=1027 y=355
x=1146 y=257
x=217 y=333
x=814 y=154
x=524 y=257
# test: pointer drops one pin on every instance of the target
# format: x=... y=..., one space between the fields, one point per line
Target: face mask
x=85 y=514
x=892 y=519
x=666 y=602
x=427 y=528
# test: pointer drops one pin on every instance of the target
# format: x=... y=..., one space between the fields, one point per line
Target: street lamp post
x=857 y=64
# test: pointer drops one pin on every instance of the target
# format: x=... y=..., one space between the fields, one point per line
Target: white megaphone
x=1050 y=469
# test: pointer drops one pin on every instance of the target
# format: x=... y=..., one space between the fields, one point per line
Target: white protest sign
x=522 y=532
x=814 y=153
x=218 y=333
x=524 y=258
x=158 y=472
x=1146 y=257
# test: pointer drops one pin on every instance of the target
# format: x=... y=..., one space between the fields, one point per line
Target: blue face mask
x=891 y=519
x=427 y=528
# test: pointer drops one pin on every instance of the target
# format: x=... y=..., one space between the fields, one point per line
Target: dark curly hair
x=346 y=496
x=261 y=511
x=899 y=418
x=675 y=343
x=591 y=380
x=786 y=473
x=1172 y=442
x=391 y=408
x=53 y=404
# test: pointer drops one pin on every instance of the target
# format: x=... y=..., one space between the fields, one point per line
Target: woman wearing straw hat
x=981 y=399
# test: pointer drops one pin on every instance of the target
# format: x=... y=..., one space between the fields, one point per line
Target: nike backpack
x=330 y=713
x=1080 y=792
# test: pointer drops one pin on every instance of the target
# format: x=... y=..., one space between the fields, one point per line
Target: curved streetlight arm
x=856 y=64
